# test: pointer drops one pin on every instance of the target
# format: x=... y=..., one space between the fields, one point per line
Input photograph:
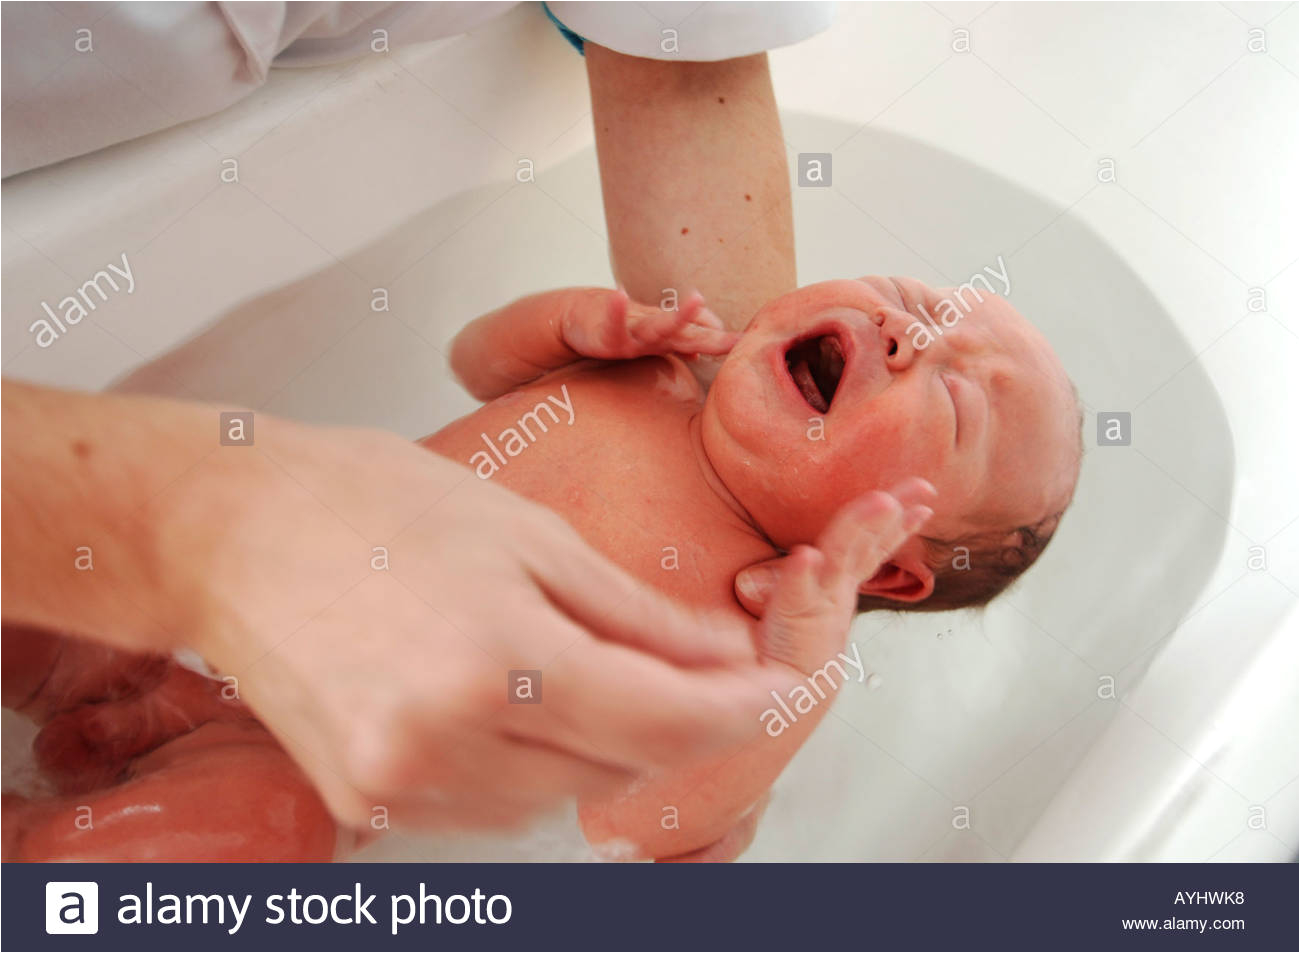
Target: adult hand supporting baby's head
x=805 y=616
x=807 y=599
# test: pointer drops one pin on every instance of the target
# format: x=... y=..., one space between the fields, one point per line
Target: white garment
x=78 y=77
x=691 y=30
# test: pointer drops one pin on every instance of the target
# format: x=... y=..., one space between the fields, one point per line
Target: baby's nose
x=900 y=333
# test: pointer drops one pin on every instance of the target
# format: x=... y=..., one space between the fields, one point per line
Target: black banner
x=646 y=907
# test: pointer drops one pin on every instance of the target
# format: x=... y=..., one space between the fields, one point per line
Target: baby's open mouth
x=816 y=365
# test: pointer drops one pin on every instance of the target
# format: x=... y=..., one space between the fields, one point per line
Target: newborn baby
x=833 y=390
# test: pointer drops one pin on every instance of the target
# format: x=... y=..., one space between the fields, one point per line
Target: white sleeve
x=694 y=31
x=81 y=77
x=85 y=76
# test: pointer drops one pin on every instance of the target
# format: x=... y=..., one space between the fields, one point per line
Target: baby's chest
x=612 y=454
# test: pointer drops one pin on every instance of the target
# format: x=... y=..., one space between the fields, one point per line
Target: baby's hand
x=627 y=330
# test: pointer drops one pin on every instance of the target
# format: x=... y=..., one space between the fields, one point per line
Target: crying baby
x=832 y=390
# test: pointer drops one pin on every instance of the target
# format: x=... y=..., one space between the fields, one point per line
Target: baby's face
x=843 y=387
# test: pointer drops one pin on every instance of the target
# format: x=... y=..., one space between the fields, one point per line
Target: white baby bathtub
x=1133 y=698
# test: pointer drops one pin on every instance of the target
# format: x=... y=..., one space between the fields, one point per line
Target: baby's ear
x=905 y=578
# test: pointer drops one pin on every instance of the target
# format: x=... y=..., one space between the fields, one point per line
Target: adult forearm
x=695 y=181
x=85 y=479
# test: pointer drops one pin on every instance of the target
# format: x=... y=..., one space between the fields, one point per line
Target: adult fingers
x=621 y=707
x=852 y=538
x=801 y=624
x=515 y=767
x=866 y=532
x=814 y=599
x=504 y=782
x=611 y=605
x=754 y=585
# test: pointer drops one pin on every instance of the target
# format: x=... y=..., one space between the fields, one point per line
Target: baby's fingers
x=700 y=331
x=690 y=329
x=697 y=339
x=649 y=327
x=694 y=312
x=608 y=325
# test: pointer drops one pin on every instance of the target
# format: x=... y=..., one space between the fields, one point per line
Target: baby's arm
x=545 y=332
x=695 y=805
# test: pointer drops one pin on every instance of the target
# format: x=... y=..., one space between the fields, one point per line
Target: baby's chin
x=764 y=484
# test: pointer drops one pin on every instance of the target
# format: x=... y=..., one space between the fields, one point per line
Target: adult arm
x=368 y=600
x=695 y=182
x=82 y=478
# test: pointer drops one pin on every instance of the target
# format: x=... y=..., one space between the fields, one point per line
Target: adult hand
x=816 y=615
x=756 y=584
x=370 y=601
x=806 y=612
x=817 y=605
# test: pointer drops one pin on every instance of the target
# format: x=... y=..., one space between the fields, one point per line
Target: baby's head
x=843 y=387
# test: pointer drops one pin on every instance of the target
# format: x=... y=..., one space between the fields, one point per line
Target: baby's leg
x=225 y=792
x=92 y=745
x=150 y=763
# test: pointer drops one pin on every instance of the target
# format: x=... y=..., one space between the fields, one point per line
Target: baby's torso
x=609 y=448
